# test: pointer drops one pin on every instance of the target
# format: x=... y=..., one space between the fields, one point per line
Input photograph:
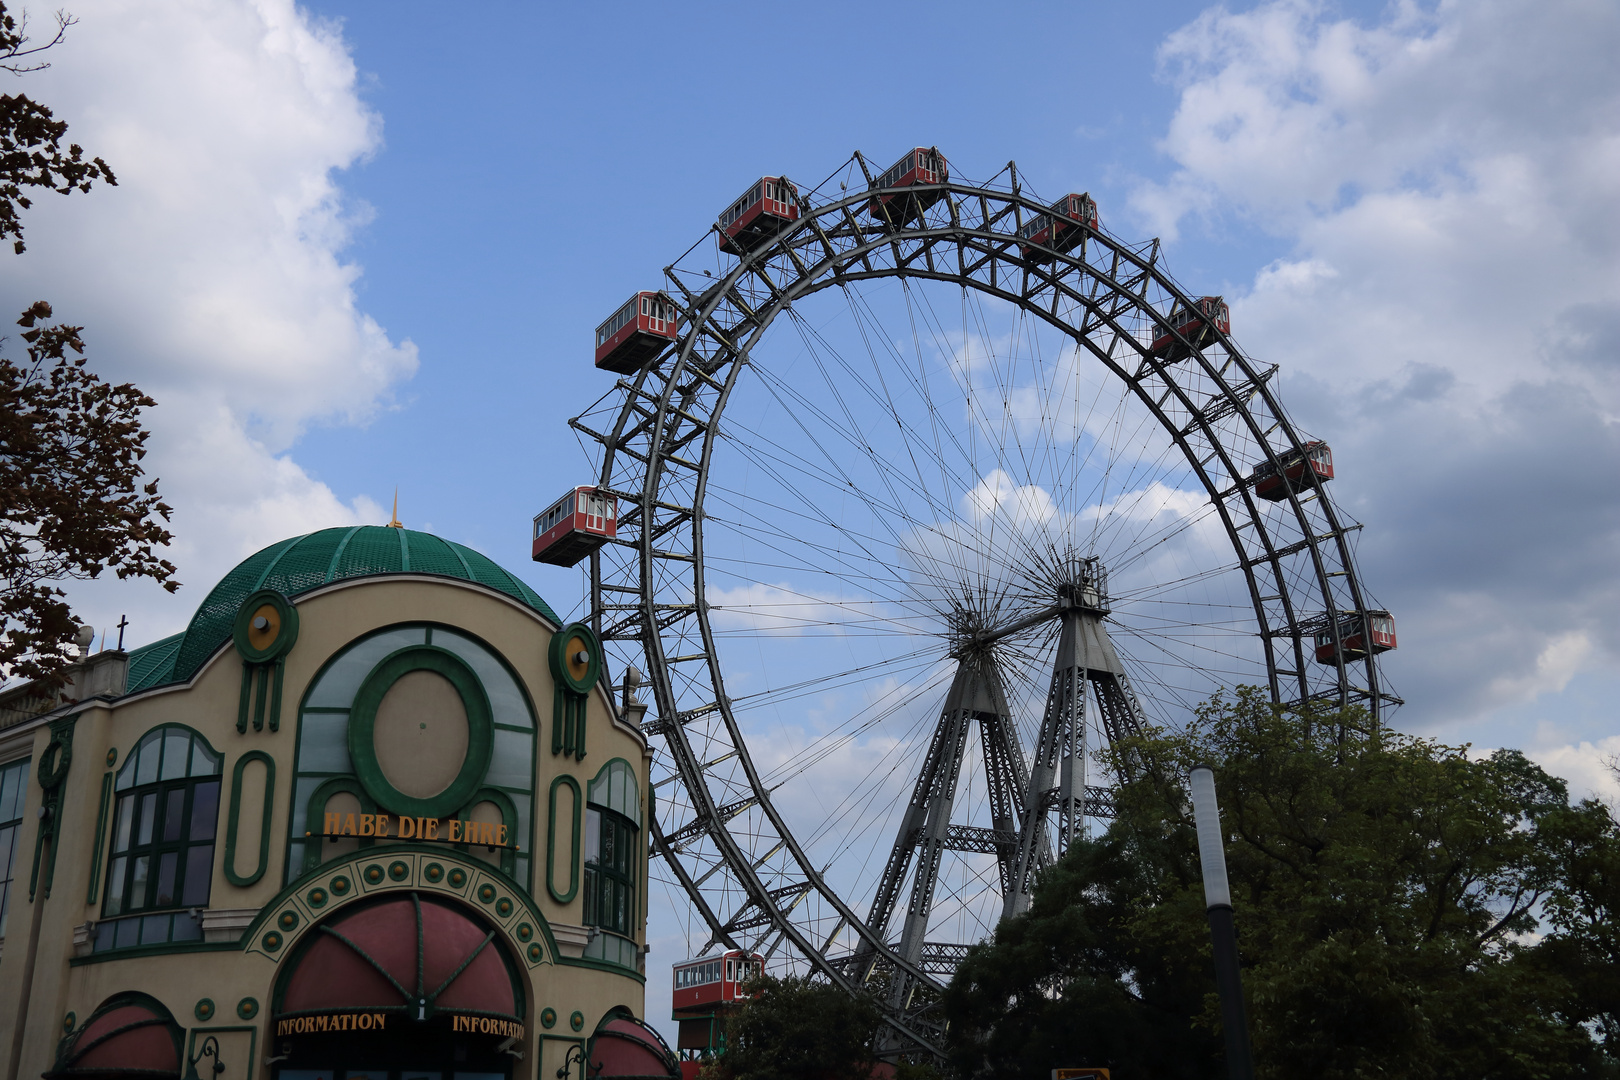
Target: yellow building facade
x=375 y=815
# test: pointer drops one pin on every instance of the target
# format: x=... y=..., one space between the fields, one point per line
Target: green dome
x=307 y=562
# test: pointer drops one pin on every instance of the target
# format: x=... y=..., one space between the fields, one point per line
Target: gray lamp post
x=1218 y=905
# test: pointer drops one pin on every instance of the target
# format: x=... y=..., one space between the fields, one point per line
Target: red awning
x=365 y=958
x=626 y=1048
x=131 y=1039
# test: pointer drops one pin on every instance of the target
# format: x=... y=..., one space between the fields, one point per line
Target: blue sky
x=359 y=246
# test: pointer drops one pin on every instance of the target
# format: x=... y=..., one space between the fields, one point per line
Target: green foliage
x=1402 y=908
x=798 y=1029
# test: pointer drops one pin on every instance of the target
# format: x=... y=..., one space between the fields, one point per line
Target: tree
x=71 y=498
x=1403 y=908
x=798 y=1029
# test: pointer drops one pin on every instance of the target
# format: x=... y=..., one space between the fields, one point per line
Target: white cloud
x=1588 y=766
x=1449 y=314
x=212 y=276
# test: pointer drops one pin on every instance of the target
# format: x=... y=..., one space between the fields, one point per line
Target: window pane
x=148 y=813
x=129 y=931
x=126 y=812
x=154 y=929
x=174 y=814
x=168 y=866
x=202 y=762
x=593 y=834
x=199 y=872
x=146 y=769
x=115 y=887
x=176 y=754
x=186 y=928
x=204 y=810
x=137 y=883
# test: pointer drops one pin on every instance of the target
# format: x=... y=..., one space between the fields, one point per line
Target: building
x=375 y=814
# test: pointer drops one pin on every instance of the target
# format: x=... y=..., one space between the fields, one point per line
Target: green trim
x=285 y=640
x=559 y=663
x=154 y=950
x=317 y=803
x=509 y=817
x=570 y=695
x=134 y=754
x=242 y=881
x=101 y=835
x=551 y=841
x=253 y=1043
x=51 y=772
x=480 y=730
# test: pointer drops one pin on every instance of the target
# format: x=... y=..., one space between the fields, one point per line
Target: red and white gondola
x=762 y=214
x=1197 y=324
x=636 y=333
x=920 y=166
x=1054 y=231
x=574 y=526
x=1294 y=470
x=1360 y=634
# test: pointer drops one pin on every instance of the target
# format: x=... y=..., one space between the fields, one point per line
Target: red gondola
x=1044 y=234
x=923 y=165
x=704 y=992
x=1299 y=470
x=636 y=333
x=763 y=213
x=1194 y=324
x=574 y=526
x=1359 y=634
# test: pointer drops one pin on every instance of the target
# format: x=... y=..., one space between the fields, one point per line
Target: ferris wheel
x=913 y=494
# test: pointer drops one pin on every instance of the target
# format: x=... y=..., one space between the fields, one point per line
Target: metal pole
x=1218 y=906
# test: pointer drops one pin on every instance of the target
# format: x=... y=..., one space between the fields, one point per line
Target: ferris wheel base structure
x=664 y=527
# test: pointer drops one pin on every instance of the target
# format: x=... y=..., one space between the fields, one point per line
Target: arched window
x=612 y=865
x=162 y=855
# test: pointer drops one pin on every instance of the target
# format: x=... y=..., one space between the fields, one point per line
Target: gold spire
x=393 y=520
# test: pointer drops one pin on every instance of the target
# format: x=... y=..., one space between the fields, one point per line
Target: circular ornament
x=457 y=878
x=204 y=1009
x=535 y=953
x=486 y=892
x=247 y=1008
x=374 y=873
x=266 y=627
x=112 y=757
x=271 y=941
x=575 y=657
x=316 y=897
x=525 y=931
x=503 y=907
x=548 y=1018
x=399 y=869
x=577 y=1021
x=73 y=1018
x=340 y=885
x=288 y=920
x=363 y=722
x=433 y=872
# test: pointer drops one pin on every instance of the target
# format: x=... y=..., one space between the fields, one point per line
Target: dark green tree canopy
x=798 y=1029
x=1404 y=908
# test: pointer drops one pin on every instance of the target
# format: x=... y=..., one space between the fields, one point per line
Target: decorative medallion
x=548 y=1018
x=433 y=872
x=265 y=630
x=73 y=1018
x=288 y=920
x=486 y=892
x=577 y=1021
x=525 y=931
x=536 y=953
x=503 y=907
x=374 y=873
x=340 y=885
x=204 y=1009
x=112 y=757
x=271 y=941
x=575 y=659
x=399 y=869
x=316 y=897
x=415 y=760
x=457 y=878
x=247 y=1008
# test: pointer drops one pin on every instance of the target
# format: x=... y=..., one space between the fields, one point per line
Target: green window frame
x=165 y=824
x=13 y=793
x=612 y=865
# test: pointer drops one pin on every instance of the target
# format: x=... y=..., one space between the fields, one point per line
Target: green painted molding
x=317 y=805
x=154 y=950
x=524 y=904
x=94 y=892
x=480 y=730
x=242 y=881
x=52 y=772
x=551 y=841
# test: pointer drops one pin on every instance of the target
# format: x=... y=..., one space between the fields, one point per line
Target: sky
x=357 y=247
